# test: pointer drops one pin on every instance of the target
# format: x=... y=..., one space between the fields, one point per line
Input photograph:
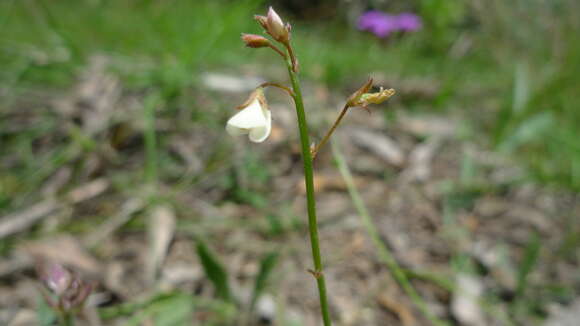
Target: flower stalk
x=282 y=87
x=330 y=131
x=254 y=119
x=360 y=98
x=310 y=199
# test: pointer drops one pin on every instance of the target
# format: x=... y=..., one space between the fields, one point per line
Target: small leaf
x=174 y=311
x=266 y=267
x=214 y=271
x=44 y=313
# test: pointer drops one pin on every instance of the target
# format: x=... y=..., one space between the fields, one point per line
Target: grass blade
x=214 y=271
x=266 y=267
x=385 y=254
x=531 y=255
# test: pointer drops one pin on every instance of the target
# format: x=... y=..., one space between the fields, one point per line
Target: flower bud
x=66 y=290
x=55 y=277
x=363 y=99
x=255 y=41
x=276 y=28
x=262 y=20
x=375 y=98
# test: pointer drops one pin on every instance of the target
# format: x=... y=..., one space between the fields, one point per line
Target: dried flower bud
x=275 y=27
x=375 y=98
x=262 y=20
x=356 y=96
x=76 y=295
x=362 y=98
x=255 y=41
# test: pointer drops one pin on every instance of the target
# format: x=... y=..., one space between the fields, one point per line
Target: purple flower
x=55 y=277
x=409 y=22
x=382 y=24
x=66 y=290
x=377 y=22
x=369 y=19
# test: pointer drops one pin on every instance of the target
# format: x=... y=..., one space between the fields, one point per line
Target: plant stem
x=384 y=253
x=275 y=48
x=311 y=203
x=282 y=87
x=293 y=60
x=67 y=319
x=329 y=133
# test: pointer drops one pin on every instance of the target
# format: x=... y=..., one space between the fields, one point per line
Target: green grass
x=51 y=39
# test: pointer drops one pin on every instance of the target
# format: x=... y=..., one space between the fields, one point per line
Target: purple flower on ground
x=66 y=290
x=382 y=24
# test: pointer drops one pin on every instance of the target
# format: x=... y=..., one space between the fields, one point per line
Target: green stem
x=67 y=319
x=384 y=253
x=311 y=203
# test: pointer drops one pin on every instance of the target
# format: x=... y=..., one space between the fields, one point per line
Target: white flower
x=255 y=120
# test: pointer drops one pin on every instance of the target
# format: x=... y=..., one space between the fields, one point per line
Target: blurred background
x=114 y=161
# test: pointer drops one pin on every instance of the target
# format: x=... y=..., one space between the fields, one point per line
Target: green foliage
x=529 y=261
x=50 y=39
x=442 y=19
x=266 y=267
x=539 y=118
x=173 y=308
x=174 y=311
x=45 y=315
x=214 y=271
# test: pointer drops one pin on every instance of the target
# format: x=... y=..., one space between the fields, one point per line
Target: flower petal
x=250 y=117
x=259 y=134
x=235 y=131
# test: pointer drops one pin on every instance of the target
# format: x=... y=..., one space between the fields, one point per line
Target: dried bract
x=356 y=96
x=255 y=41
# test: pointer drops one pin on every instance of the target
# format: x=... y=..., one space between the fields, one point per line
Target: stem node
x=317 y=274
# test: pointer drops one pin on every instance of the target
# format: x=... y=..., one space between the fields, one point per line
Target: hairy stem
x=309 y=181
